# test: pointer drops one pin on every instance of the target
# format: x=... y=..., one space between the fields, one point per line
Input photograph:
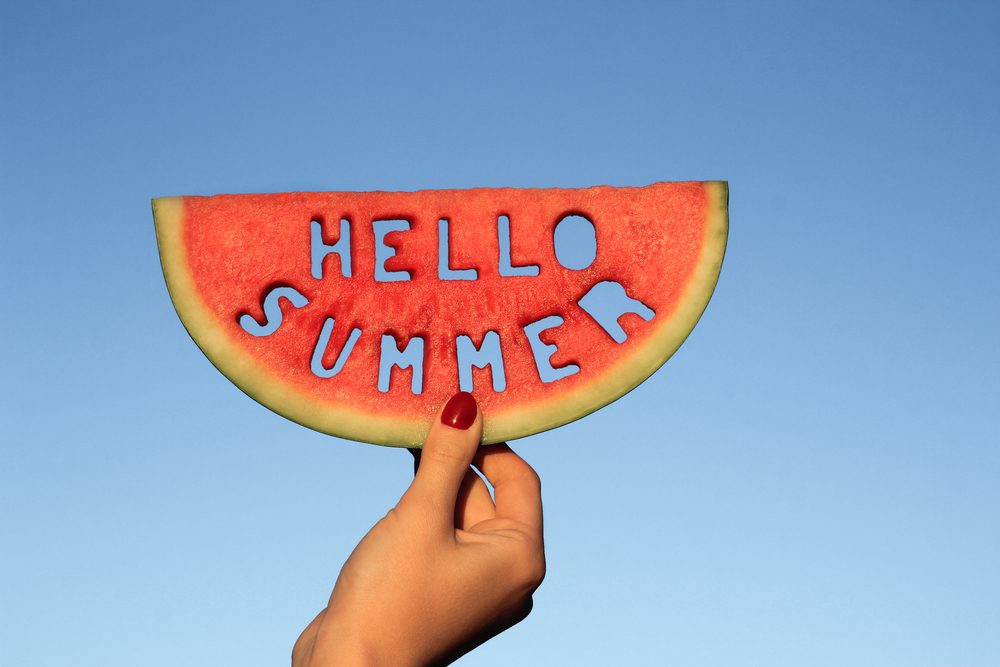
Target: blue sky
x=812 y=479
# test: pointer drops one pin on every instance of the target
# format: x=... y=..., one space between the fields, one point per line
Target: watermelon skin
x=664 y=244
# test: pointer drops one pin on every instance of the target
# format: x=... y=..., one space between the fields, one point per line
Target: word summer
x=605 y=302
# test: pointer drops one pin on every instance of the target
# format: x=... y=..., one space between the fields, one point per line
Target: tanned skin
x=447 y=568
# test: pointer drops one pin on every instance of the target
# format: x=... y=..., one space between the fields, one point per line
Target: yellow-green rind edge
x=394 y=431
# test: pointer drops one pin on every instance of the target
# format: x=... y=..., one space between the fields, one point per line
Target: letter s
x=272 y=311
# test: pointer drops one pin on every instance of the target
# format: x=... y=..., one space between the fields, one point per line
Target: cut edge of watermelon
x=501 y=425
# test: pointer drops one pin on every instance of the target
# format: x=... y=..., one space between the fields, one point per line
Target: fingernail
x=460 y=411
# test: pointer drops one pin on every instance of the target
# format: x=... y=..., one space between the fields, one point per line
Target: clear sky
x=811 y=480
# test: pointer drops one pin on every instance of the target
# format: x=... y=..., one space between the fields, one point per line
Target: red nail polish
x=460 y=411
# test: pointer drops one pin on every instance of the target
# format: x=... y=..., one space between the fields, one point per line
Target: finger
x=474 y=502
x=516 y=487
x=448 y=450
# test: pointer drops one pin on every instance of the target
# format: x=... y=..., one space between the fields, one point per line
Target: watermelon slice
x=359 y=314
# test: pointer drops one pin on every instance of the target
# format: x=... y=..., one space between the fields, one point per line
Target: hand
x=446 y=569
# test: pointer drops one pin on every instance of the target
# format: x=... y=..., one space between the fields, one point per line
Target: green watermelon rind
x=630 y=370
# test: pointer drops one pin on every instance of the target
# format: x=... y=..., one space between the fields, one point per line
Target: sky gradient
x=811 y=480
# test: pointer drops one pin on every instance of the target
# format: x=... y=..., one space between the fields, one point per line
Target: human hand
x=446 y=569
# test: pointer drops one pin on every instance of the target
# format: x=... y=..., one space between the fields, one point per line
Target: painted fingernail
x=460 y=411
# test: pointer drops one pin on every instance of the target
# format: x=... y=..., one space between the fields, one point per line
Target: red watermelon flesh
x=661 y=245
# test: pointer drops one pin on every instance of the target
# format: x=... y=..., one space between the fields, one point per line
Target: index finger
x=516 y=487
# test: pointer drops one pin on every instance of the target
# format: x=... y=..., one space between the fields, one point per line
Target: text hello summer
x=606 y=301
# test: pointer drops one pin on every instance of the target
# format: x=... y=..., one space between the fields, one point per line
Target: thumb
x=448 y=450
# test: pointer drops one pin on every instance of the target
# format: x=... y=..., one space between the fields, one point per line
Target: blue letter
x=272 y=311
x=469 y=356
x=543 y=351
x=391 y=356
x=506 y=267
x=607 y=301
x=384 y=252
x=445 y=272
x=320 y=250
x=575 y=242
x=318 y=369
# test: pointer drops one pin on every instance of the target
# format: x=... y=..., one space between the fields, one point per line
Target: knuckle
x=444 y=455
x=529 y=566
x=536 y=572
x=532 y=478
x=394 y=522
x=525 y=477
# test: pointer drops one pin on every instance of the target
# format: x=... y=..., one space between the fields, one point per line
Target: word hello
x=605 y=302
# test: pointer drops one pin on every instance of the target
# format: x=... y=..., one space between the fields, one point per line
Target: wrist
x=359 y=647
